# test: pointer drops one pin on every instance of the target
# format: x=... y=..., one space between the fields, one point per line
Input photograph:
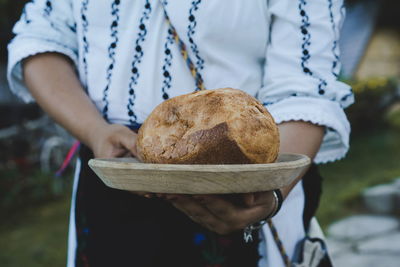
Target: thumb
x=248 y=199
x=257 y=198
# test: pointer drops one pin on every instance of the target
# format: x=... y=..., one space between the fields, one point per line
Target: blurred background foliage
x=376 y=99
x=35 y=205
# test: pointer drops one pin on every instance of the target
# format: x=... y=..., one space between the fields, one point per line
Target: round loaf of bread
x=222 y=126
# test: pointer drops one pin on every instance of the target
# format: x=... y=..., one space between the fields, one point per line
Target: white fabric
x=284 y=52
x=72 y=230
x=255 y=46
x=287 y=223
x=335 y=142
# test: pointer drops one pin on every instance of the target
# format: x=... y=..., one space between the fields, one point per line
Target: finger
x=223 y=209
x=258 y=198
x=190 y=207
x=248 y=199
x=127 y=154
x=172 y=196
x=128 y=140
x=200 y=214
x=234 y=216
x=143 y=194
x=115 y=152
x=253 y=215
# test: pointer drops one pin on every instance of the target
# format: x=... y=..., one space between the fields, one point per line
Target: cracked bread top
x=222 y=126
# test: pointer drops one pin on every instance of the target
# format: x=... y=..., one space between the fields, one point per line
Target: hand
x=113 y=140
x=222 y=215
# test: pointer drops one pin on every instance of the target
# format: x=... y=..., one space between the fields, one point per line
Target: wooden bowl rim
x=285 y=161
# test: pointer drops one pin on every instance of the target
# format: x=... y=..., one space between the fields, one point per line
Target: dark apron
x=116 y=228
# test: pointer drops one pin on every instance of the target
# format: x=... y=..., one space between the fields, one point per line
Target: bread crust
x=222 y=126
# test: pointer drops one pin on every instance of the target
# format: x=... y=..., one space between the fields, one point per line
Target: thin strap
x=200 y=86
x=69 y=157
x=182 y=47
x=279 y=243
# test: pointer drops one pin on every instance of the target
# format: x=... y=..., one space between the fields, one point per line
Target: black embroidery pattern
x=306 y=45
x=191 y=31
x=58 y=43
x=111 y=53
x=344 y=98
x=268 y=103
x=167 y=64
x=25 y=16
x=335 y=46
x=72 y=27
x=48 y=8
x=137 y=59
x=85 y=25
x=167 y=60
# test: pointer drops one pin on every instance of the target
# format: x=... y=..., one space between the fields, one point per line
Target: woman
x=100 y=67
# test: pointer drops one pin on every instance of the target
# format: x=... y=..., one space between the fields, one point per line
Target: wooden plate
x=129 y=174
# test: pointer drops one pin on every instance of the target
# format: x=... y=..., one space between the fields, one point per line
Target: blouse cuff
x=21 y=48
x=321 y=112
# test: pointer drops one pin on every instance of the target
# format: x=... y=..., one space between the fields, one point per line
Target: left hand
x=224 y=216
x=220 y=215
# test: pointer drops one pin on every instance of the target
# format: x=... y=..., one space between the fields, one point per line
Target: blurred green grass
x=34 y=208
x=374 y=158
x=36 y=235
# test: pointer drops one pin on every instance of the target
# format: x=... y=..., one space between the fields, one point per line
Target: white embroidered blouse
x=284 y=52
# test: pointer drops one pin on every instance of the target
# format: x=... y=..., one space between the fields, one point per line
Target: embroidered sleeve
x=302 y=68
x=45 y=26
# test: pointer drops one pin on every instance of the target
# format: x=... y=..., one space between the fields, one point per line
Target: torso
x=130 y=63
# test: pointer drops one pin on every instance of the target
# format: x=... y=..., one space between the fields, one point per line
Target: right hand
x=113 y=141
x=225 y=214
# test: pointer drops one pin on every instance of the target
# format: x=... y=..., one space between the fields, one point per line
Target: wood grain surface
x=129 y=174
